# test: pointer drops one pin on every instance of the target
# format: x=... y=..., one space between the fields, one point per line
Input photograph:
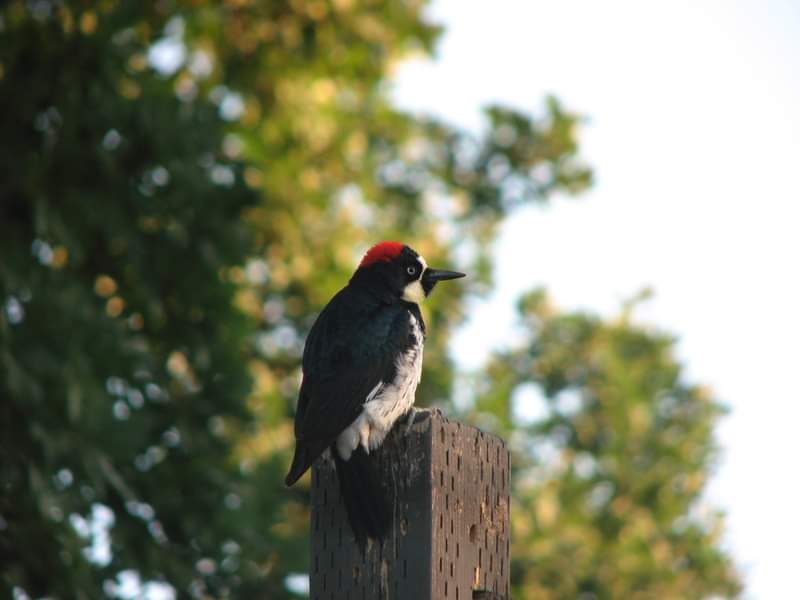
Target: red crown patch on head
x=382 y=252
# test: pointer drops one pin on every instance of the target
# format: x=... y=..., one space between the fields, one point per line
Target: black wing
x=350 y=350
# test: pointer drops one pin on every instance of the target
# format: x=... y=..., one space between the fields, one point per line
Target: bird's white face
x=413 y=291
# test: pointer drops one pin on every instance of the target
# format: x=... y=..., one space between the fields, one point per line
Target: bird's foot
x=413 y=412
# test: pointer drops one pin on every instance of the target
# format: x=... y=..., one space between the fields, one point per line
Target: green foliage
x=607 y=485
x=121 y=350
x=168 y=233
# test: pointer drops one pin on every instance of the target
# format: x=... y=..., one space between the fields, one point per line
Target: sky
x=693 y=129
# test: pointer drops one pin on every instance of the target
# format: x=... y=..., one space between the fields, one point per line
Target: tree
x=607 y=484
x=121 y=349
x=182 y=187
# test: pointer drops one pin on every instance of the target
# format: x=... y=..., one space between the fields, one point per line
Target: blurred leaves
x=608 y=482
x=183 y=185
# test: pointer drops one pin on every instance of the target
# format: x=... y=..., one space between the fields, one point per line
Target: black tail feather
x=365 y=500
x=304 y=455
x=300 y=464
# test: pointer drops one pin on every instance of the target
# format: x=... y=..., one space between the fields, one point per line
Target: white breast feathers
x=387 y=401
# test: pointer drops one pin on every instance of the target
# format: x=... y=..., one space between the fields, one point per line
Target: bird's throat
x=413 y=292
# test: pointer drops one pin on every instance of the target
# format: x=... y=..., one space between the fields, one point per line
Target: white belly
x=386 y=403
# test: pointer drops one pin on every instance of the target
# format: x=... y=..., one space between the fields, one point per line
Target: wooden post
x=450 y=534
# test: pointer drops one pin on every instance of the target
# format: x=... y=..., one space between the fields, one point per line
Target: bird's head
x=397 y=270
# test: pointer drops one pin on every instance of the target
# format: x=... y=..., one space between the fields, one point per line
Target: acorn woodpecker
x=361 y=365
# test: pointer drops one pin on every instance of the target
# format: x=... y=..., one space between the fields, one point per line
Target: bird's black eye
x=411 y=270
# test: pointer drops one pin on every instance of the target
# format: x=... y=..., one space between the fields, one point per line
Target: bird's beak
x=434 y=275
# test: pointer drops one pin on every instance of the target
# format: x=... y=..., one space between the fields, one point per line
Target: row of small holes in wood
x=465 y=520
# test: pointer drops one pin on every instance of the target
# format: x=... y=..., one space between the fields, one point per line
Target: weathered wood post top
x=450 y=534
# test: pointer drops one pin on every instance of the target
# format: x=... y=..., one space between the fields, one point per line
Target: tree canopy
x=609 y=480
x=183 y=185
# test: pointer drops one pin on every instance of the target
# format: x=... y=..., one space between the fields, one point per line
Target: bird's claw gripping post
x=413 y=412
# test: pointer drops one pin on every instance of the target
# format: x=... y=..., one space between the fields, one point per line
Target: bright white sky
x=694 y=134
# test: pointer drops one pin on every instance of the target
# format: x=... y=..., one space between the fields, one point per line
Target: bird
x=362 y=362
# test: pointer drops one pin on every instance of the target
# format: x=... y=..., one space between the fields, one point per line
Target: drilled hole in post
x=473 y=533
